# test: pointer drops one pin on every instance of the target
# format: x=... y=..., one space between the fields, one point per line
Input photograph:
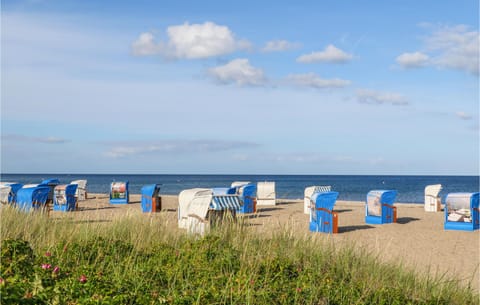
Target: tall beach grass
x=137 y=259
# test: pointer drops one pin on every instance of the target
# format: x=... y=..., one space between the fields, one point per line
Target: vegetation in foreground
x=136 y=260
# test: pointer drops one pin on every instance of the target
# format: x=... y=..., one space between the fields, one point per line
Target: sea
x=350 y=187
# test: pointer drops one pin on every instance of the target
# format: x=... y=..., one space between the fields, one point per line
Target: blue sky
x=249 y=87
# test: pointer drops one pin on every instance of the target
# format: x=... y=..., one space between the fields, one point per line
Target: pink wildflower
x=48 y=254
x=2 y=281
x=83 y=279
x=299 y=289
x=56 y=269
x=46 y=266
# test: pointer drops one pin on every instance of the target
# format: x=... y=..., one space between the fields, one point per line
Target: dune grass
x=136 y=260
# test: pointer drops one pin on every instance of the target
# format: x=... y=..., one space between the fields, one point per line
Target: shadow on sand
x=261 y=210
x=404 y=220
x=353 y=228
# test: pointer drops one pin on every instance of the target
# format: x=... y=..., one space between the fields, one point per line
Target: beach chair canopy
x=4 y=193
x=224 y=190
x=50 y=182
x=225 y=202
x=309 y=191
x=433 y=190
x=325 y=200
x=239 y=183
x=151 y=190
x=26 y=186
x=458 y=201
x=28 y=197
x=193 y=202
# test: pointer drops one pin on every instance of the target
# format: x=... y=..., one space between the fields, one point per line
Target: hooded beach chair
x=247 y=193
x=81 y=192
x=64 y=197
x=266 y=193
x=462 y=212
x=33 y=198
x=432 y=200
x=119 y=192
x=379 y=208
x=51 y=184
x=4 y=193
x=193 y=207
x=151 y=202
x=12 y=194
x=322 y=217
x=309 y=191
x=199 y=209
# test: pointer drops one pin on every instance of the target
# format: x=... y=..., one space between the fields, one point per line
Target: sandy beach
x=417 y=240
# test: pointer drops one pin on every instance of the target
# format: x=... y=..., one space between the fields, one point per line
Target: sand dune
x=417 y=240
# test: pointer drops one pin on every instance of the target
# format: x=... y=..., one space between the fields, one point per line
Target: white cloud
x=191 y=41
x=29 y=139
x=464 y=116
x=133 y=148
x=314 y=81
x=374 y=97
x=331 y=54
x=412 y=60
x=240 y=72
x=145 y=45
x=458 y=48
x=279 y=45
x=450 y=47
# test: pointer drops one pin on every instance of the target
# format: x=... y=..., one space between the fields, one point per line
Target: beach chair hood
x=193 y=202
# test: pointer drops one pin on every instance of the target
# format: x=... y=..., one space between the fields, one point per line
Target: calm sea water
x=410 y=188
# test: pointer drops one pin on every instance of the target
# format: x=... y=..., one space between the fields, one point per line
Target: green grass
x=137 y=260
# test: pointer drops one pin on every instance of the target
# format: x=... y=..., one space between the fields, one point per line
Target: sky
x=240 y=87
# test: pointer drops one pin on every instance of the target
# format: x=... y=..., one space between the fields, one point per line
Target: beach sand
x=417 y=241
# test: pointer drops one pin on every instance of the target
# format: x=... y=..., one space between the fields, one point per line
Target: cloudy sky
x=241 y=87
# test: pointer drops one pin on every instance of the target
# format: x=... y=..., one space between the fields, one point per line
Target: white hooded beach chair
x=309 y=191
x=81 y=192
x=4 y=193
x=432 y=200
x=199 y=209
x=193 y=207
x=266 y=193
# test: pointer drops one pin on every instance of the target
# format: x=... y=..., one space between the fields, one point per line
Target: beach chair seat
x=432 y=200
